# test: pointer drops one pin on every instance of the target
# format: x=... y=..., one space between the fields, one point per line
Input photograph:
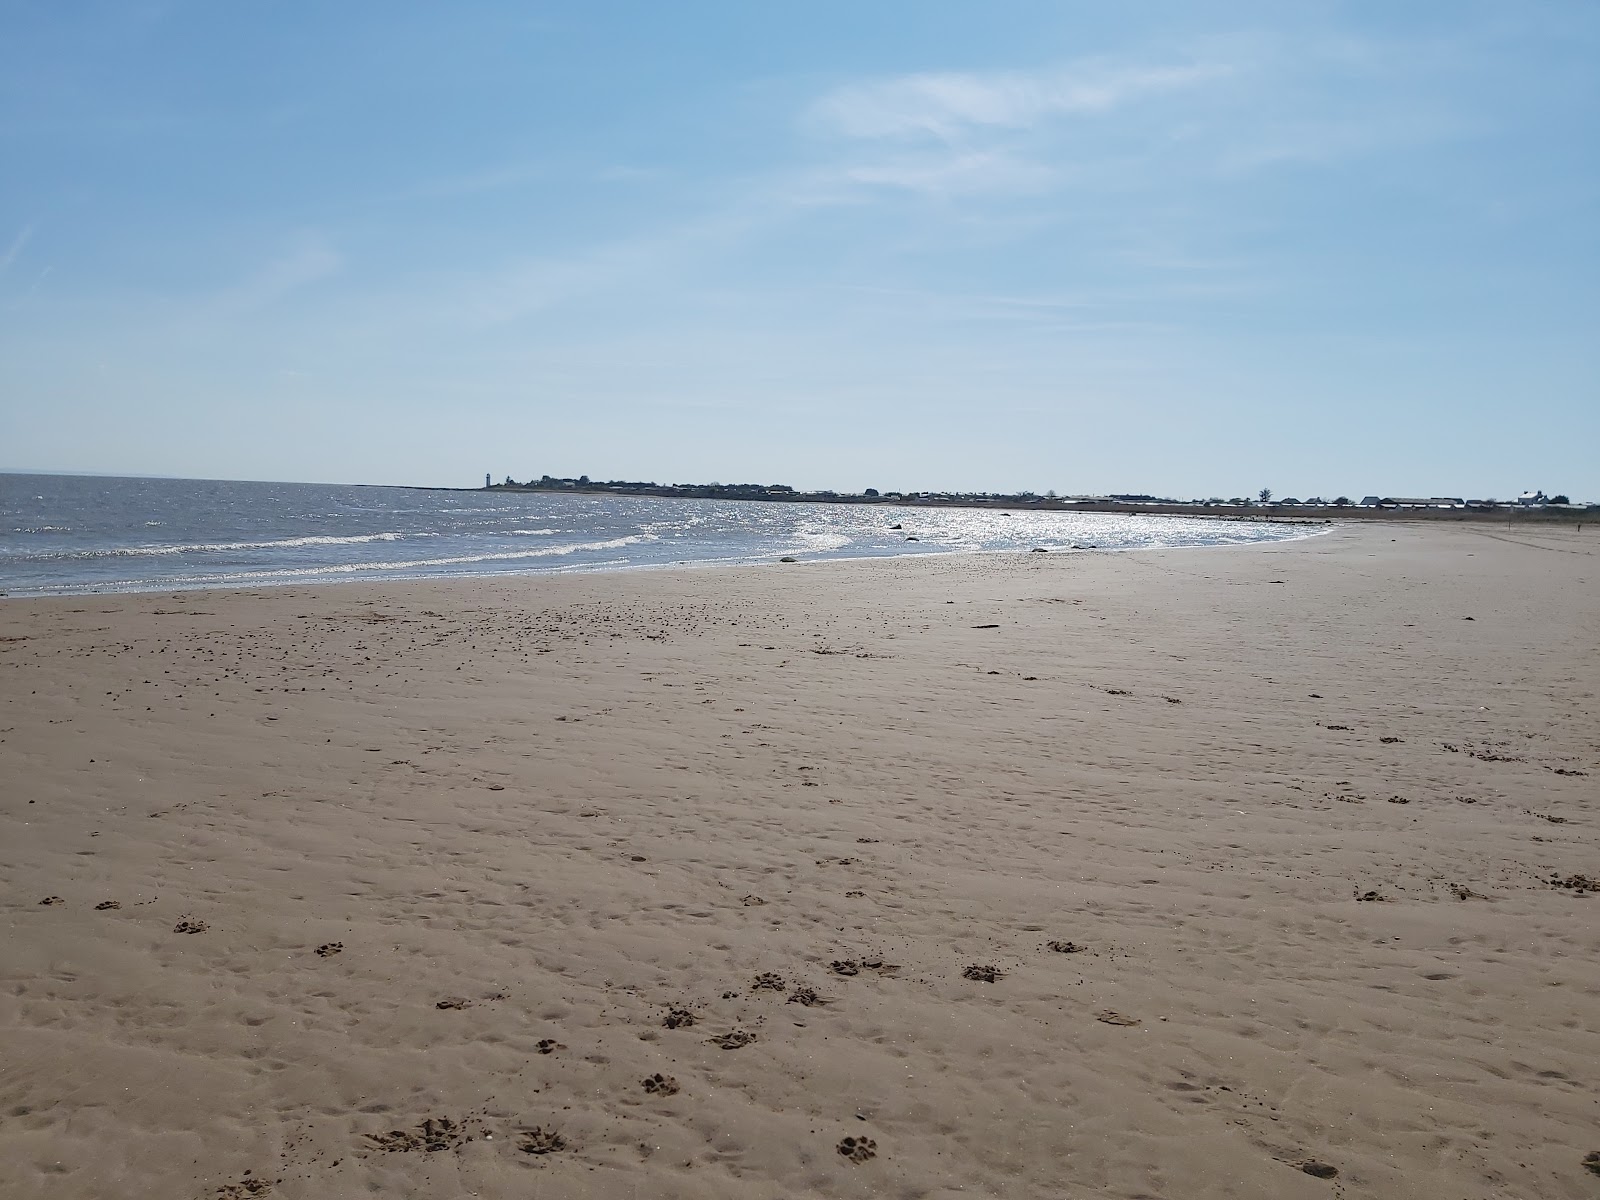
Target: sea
x=74 y=534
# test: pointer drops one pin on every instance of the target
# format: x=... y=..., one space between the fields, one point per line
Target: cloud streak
x=14 y=251
x=951 y=105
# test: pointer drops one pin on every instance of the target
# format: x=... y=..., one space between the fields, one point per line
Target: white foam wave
x=413 y=564
x=222 y=547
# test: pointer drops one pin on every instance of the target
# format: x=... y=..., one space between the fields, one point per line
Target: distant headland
x=1531 y=505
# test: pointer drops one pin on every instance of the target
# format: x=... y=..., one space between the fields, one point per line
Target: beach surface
x=1254 y=872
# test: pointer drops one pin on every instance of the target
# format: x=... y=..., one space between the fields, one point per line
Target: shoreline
x=1117 y=874
x=784 y=558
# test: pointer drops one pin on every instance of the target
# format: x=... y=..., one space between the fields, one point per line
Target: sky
x=1177 y=248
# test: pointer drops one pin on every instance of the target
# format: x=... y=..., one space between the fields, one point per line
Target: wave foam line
x=219 y=547
x=406 y=565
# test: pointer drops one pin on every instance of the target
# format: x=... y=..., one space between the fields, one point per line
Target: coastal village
x=1533 y=503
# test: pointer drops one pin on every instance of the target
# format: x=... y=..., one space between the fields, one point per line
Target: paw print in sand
x=858 y=1149
x=329 y=949
x=661 y=1085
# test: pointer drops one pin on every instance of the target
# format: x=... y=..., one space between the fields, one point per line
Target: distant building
x=1530 y=499
x=1371 y=501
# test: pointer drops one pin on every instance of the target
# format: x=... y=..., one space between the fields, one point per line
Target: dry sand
x=1300 y=814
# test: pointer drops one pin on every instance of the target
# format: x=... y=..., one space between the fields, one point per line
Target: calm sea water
x=68 y=534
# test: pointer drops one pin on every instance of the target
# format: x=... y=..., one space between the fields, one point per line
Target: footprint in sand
x=48 y=900
x=806 y=996
x=244 y=1188
x=752 y=901
x=767 y=982
x=541 y=1141
x=1066 y=947
x=453 y=1002
x=1110 y=1016
x=190 y=925
x=433 y=1135
x=1321 y=1170
x=733 y=1040
x=858 y=1149
x=329 y=949
x=661 y=1085
x=679 y=1018
x=982 y=973
x=107 y=905
x=548 y=1046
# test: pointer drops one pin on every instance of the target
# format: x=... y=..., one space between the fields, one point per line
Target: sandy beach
x=1256 y=872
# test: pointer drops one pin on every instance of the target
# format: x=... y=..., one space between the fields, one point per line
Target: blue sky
x=1183 y=248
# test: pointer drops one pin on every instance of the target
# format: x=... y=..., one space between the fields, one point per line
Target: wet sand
x=1163 y=874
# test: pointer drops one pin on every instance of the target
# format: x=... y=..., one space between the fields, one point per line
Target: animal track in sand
x=541 y=1141
x=733 y=1040
x=858 y=1149
x=1389 y=741
x=854 y=895
x=661 y=1085
x=679 y=1018
x=752 y=901
x=850 y=966
x=1399 y=800
x=329 y=949
x=453 y=1002
x=1320 y=1170
x=1376 y=897
x=867 y=841
x=767 y=982
x=807 y=997
x=190 y=925
x=1066 y=947
x=433 y=1135
x=982 y=973
x=107 y=905
x=548 y=1046
x=48 y=900
x=1591 y=1161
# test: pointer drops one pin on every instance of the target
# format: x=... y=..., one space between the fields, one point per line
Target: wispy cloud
x=14 y=251
x=308 y=260
x=951 y=105
x=957 y=173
